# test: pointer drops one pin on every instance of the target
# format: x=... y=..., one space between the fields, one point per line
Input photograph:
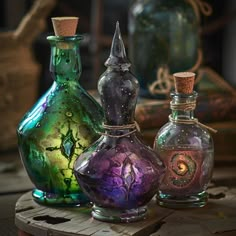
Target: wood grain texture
x=80 y=221
x=218 y=217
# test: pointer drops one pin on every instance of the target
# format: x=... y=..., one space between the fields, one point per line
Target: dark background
x=218 y=33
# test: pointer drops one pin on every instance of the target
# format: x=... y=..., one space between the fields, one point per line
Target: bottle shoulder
x=62 y=104
x=194 y=135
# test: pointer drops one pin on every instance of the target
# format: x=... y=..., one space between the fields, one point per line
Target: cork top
x=184 y=82
x=65 y=26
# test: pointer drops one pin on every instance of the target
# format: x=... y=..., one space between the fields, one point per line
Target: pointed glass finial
x=117 y=56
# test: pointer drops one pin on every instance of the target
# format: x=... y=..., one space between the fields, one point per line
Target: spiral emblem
x=183 y=169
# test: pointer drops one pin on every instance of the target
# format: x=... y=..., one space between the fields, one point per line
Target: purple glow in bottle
x=118 y=172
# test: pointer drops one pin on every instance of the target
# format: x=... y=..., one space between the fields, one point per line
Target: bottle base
x=193 y=201
x=45 y=198
x=119 y=215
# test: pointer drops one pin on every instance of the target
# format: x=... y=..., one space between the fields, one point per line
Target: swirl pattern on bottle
x=183 y=169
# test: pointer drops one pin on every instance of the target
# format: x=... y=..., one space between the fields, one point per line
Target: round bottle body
x=120 y=175
x=160 y=33
x=62 y=124
x=187 y=151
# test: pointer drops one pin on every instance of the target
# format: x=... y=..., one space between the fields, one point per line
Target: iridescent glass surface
x=118 y=172
x=62 y=124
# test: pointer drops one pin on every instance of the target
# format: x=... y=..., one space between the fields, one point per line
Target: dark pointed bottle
x=118 y=172
x=62 y=124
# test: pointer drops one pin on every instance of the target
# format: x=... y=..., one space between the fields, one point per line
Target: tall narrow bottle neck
x=183 y=105
x=118 y=87
x=65 y=63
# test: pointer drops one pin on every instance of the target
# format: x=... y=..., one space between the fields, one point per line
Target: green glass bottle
x=63 y=123
x=163 y=39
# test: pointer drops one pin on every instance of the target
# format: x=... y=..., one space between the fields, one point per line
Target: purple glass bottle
x=118 y=172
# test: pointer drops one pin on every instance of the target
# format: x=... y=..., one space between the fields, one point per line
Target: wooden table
x=218 y=217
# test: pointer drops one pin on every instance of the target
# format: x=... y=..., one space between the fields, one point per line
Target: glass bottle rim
x=73 y=38
x=194 y=94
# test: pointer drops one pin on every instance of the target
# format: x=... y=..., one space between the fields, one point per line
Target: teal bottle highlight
x=163 y=38
x=60 y=126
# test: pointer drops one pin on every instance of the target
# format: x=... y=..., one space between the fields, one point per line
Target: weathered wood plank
x=219 y=216
x=79 y=221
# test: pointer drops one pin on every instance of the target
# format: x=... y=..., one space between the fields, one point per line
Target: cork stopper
x=184 y=82
x=65 y=26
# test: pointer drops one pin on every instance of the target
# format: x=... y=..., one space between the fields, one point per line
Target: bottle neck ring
x=65 y=64
x=119 y=131
x=183 y=106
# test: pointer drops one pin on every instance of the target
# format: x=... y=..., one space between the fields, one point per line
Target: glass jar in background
x=163 y=39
